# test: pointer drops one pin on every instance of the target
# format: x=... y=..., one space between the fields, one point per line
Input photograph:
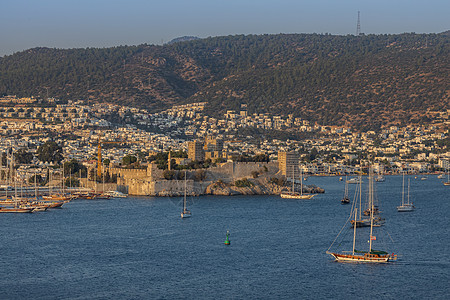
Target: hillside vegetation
x=373 y=80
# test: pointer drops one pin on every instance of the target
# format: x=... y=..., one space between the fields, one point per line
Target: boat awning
x=378 y=252
x=359 y=251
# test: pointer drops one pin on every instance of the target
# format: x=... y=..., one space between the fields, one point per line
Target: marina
x=138 y=247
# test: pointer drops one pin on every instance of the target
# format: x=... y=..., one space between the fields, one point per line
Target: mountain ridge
x=369 y=80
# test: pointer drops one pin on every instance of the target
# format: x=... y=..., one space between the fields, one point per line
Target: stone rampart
x=231 y=171
x=135 y=183
x=128 y=173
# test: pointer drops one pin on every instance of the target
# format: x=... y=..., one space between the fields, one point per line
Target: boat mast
x=403 y=189
x=346 y=189
x=62 y=180
x=49 y=181
x=35 y=185
x=301 y=181
x=354 y=232
x=371 y=208
x=13 y=165
x=293 y=180
x=184 y=201
x=408 y=190
x=103 y=178
x=8 y=174
x=360 y=195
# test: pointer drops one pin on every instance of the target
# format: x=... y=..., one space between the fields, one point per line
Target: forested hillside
x=369 y=80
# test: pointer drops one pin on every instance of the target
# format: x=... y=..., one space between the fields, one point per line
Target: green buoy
x=227 y=240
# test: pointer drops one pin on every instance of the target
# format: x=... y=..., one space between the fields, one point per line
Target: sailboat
x=448 y=178
x=380 y=178
x=371 y=255
x=406 y=206
x=354 y=180
x=345 y=199
x=363 y=218
x=17 y=206
x=185 y=213
x=293 y=194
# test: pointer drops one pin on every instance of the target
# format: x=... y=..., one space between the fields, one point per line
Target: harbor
x=93 y=249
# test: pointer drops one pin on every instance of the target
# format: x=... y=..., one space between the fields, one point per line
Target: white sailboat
x=354 y=180
x=370 y=256
x=406 y=206
x=293 y=194
x=447 y=183
x=345 y=199
x=185 y=213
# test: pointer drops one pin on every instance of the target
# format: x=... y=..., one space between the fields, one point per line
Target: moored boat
x=116 y=194
x=293 y=194
x=447 y=183
x=354 y=180
x=16 y=210
x=406 y=205
x=185 y=213
x=371 y=255
x=345 y=199
x=57 y=197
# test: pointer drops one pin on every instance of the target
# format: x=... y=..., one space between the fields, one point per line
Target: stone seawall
x=219 y=180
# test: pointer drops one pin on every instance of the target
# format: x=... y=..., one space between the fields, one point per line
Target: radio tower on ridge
x=358 y=26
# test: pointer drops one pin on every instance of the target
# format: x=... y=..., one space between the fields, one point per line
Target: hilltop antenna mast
x=358 y=26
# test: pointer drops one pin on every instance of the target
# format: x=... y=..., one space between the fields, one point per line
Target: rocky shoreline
x=258 y=187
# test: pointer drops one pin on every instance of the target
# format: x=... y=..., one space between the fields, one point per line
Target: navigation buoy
x=227 y=240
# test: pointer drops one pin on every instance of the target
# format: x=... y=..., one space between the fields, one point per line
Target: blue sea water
x=140 y=248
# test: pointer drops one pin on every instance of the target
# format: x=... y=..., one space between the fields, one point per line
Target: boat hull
x=116 y=194
x=15 y=210
x=345 y=201
x=296 y=196
x=366 y=258
x=185 y=214
x=405 y=208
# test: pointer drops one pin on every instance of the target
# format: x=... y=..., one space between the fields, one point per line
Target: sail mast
x=354 y=232
x=360 y=195
x=184 y=201
x=346 y=189
x=371 y=208
x=403 y=189
x=301 y=181
x=408 y=190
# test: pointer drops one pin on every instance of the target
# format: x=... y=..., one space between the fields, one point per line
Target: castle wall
x=128 y=173
x=147 y=187
x=231 y=171
x=135 y=183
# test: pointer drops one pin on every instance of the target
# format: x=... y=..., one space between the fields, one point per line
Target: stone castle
x=151 y=182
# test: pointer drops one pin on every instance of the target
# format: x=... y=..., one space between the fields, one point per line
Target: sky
x=26 y=24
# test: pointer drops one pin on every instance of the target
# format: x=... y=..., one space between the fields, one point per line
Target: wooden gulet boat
x=345 y=199
x=293 y=194
x=185 y=213
x=447 y=183
x=370 y=256
x=405 y=206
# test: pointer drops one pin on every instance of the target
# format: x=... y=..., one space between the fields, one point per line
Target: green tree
x=23 y=157
x=73 y=167
x=128 y=160
x=200 y=175
x=50 y=151
x=169 y=174
x=72 y=182
x=39 y=179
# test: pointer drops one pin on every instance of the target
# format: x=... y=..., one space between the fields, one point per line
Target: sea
x=140 y=248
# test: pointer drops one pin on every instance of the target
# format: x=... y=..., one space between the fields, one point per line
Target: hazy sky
x=26 y=24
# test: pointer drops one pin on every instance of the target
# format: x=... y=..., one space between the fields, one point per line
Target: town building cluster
x=79 y=126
